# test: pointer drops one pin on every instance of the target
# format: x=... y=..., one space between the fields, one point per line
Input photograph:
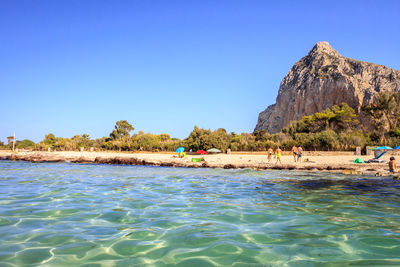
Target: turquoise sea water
x=61 y=214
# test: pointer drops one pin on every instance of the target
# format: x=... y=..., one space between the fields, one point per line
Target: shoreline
x=257 y=161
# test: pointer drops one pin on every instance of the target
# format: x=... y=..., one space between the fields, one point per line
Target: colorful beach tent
x=358 y=160
x=214 y=150
x=377 y=157
x=201 y=152
x=180 y=149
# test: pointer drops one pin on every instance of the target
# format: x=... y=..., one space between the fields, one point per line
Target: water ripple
x=58 y=214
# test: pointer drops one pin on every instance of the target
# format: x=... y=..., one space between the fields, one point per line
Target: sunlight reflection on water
x=70 y=214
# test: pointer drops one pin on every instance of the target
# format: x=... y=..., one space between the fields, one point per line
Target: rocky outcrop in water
x=323 y=79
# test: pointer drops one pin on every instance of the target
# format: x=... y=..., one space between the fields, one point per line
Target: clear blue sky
x=74 y=67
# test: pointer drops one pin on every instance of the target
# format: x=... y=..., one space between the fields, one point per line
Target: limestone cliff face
x=323 y=79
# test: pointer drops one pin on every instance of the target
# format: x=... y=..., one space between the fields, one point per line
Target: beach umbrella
x=201 y=152
x=214 y=150
x=180 y=149
x=397 y=147
x=382 y=147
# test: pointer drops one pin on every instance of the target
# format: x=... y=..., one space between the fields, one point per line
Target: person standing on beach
x=300 y=153
x=270 y=152
x=278 y=153
x=392 y=165
x=295 y=151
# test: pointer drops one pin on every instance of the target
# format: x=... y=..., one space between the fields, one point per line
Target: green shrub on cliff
x=338 y=118
x=385 y=111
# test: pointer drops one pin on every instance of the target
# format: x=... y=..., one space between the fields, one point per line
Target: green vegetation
x=385 y=116
x=25 y=144
x=335 y=128
x=332 y=129
x=339 y=118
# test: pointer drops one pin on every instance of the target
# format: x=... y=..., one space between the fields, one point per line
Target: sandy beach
x=315 y=161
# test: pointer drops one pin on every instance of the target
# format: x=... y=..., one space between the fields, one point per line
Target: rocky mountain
x=323 y=79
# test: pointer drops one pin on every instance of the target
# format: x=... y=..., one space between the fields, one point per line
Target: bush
x=287 y=145
x=24 y=144
x=350 y=140
x=395 y=132
x=270 y=144
x=327 y=140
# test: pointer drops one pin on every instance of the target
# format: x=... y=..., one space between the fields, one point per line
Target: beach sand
x=317 y=161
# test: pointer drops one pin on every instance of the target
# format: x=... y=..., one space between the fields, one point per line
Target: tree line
x=336 y=128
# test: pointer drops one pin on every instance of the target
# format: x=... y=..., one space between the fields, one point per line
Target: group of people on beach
x=277 y=153
x=297 y=153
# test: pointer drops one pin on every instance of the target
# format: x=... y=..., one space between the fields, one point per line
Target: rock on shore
x=323 y=79
x=339 y=163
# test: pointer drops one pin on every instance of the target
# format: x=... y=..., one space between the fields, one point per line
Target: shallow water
x=58 y=214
